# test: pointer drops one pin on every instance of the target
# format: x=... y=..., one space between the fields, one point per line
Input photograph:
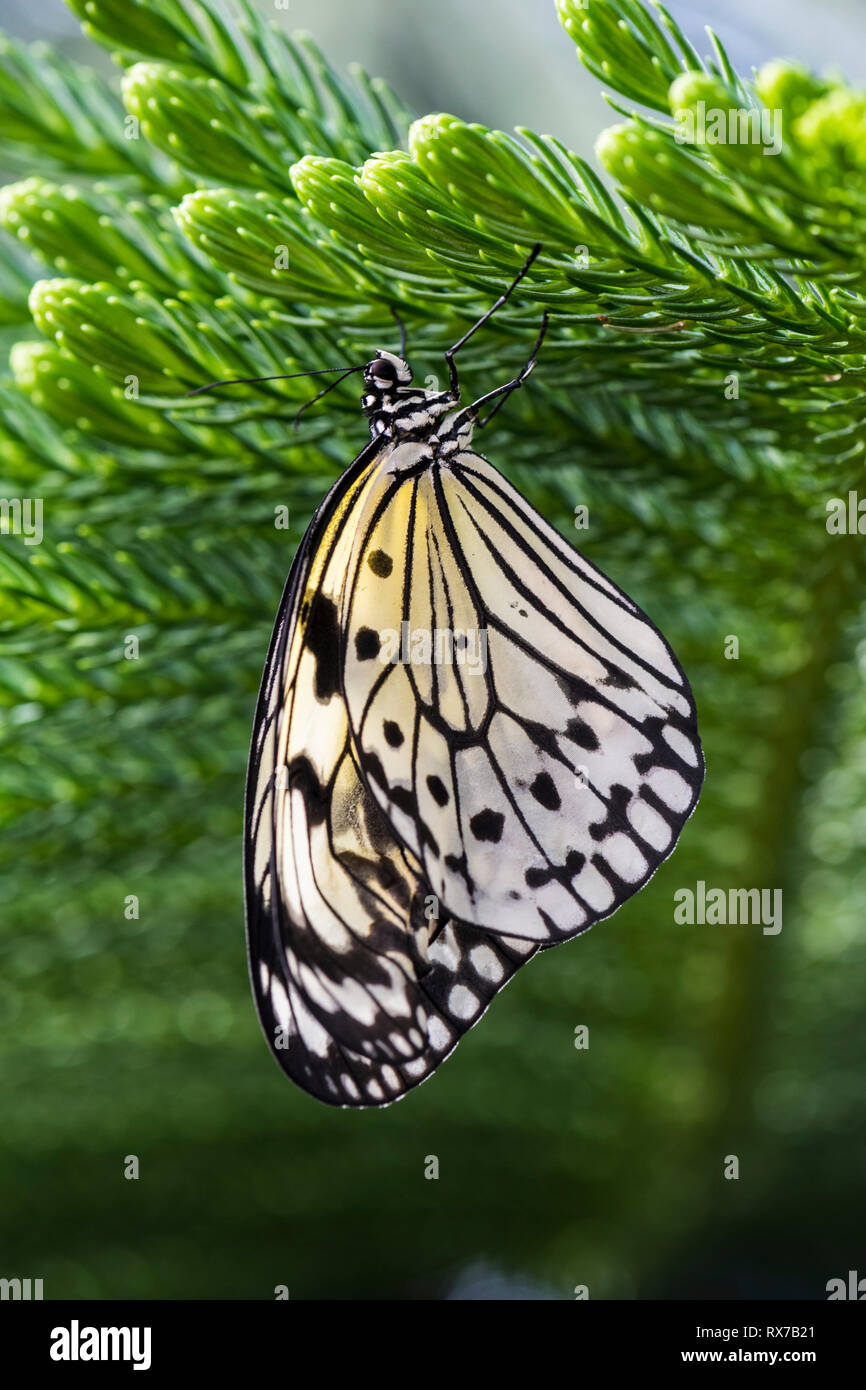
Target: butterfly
x=469 y=746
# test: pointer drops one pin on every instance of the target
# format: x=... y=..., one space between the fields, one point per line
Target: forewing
x=360 y=986
x=543 y=773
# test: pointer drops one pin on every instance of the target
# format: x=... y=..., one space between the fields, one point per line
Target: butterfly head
x=383 y=378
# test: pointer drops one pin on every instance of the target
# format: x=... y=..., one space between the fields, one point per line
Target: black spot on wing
x=322 y=636
x=456 y=864
x=438 y=790
x=618 y=799
x=428 y=839
x=403 y=800
x=545 y=793
x=367 y=644
x=562 y=873
x=372 y=766
x=582 y=734
x=543 y=737
x=316 y=798
x=618 y=678
x=393 y=733
x=380 y=563
x=487 y=825
x=576 y=690
x=643 y=762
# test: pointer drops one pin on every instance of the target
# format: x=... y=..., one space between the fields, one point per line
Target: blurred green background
x=558 y=1167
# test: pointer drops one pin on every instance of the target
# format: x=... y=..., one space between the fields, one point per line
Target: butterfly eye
x=382 y=371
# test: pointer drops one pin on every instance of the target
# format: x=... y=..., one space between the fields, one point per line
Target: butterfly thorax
x=405 y=413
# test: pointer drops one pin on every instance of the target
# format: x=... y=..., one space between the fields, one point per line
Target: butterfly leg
x=452 y=351
x=503 y=392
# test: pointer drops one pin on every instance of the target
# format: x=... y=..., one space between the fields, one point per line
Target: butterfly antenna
x=402 y=327
x=252 y=380
x=454 y=383
x=330 y=387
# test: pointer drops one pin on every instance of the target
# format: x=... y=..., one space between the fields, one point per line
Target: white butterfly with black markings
x=469 y=746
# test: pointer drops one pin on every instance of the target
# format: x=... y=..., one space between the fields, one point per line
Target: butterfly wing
x=542 y=774
x=361 y=991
